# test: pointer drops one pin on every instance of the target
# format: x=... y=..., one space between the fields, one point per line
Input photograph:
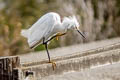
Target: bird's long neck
x=65 y=25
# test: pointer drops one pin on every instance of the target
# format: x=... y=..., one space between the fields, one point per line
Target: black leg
x=46 y=47
x=54 y=37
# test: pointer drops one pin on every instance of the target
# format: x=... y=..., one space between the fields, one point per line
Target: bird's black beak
x=80 y=33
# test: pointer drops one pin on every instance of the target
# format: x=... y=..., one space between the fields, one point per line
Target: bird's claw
x=53 y=65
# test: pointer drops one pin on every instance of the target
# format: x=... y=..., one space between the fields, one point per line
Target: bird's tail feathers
x=25 y=33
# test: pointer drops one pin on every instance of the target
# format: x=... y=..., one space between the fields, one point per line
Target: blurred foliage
x=15 y=15
x=18 y=14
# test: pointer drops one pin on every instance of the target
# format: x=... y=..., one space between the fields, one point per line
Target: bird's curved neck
x=64 y=25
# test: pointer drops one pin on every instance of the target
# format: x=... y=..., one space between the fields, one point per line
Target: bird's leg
x=46 y=47
x=54 y=37
x=59 y=34
x=53 y=63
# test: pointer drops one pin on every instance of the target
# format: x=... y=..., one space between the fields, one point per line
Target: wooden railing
x=8 y=68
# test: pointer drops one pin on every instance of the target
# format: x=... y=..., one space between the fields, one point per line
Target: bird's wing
x=40 y=29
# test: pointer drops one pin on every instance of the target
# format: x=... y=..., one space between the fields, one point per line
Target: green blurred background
x=99 y=19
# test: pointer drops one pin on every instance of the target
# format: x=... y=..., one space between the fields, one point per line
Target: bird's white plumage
x=25 y=33
x=42 y=28
x=48 y=25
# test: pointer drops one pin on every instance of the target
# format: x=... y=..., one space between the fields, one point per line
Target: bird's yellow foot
x=53 y=65
x=57 y=37
x=59 y=34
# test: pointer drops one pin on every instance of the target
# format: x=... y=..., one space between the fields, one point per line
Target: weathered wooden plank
x=7 y=68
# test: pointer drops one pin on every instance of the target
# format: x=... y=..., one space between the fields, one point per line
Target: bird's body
x=48 y=27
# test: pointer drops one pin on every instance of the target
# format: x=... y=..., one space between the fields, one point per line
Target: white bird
x=48 y=27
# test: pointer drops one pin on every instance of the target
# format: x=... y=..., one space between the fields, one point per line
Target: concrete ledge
x=66 y=51
x=90 y=58
x=75 y=64
x=75 y=55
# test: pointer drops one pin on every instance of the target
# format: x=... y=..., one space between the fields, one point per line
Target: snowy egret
x=48 y=27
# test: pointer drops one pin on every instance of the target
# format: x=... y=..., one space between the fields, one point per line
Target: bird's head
x=73 y=24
